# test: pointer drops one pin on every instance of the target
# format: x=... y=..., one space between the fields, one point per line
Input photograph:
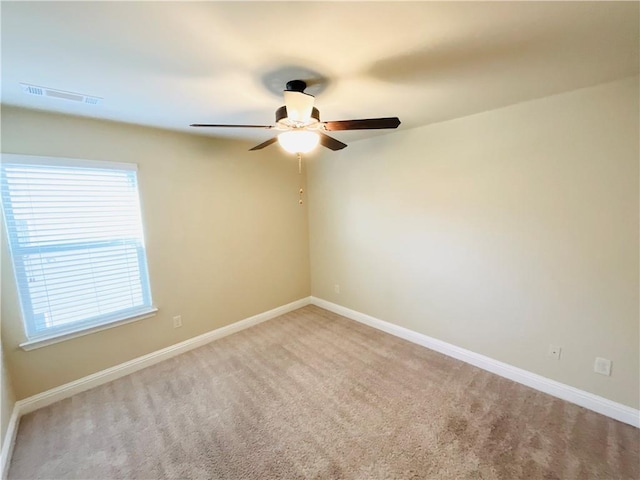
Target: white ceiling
x=169 y=64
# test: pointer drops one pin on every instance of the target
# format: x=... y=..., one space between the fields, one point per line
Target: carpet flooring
x=314 y=395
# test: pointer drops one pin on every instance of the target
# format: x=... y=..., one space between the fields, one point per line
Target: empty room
x=320 y=240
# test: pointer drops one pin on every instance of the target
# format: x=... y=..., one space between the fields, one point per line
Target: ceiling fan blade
x=330 y=142
x=364 y=124
x=264 y=144
x=228 y=126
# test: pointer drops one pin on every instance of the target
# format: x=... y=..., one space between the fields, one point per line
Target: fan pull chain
x=300 y=173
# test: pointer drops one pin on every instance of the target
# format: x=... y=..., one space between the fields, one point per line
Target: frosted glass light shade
x=299 y=106
x=298 y=141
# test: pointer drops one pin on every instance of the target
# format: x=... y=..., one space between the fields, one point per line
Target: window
x=76 y=240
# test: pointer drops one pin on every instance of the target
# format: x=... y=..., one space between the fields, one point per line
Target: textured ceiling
x=169 y=64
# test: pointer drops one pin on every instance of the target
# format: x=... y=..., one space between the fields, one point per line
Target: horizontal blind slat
x=121 y=260
x=55 y=309
x=74 y=288
x=78 y=288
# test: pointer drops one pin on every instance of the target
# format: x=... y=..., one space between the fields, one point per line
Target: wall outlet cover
x=602 y=366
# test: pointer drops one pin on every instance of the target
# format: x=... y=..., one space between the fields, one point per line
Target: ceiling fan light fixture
x=299 y=106
x=298 y=141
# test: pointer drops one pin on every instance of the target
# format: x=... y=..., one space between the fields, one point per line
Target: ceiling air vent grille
x=33 y=90
x=60 y=94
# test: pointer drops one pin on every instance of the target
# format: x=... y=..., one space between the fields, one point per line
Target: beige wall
x=7 y=398
x=226 y=238
x=501 y=233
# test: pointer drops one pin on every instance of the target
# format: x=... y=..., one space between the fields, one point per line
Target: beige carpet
x=314 y=395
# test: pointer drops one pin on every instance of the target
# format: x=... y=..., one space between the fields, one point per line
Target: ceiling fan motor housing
x=296 y=86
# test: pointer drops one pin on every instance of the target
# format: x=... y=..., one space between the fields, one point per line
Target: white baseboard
x=588 y=400
x=9 y=441
x=67 y=390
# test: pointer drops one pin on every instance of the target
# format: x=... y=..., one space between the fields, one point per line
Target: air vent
x=60 y=94
x=32 y=89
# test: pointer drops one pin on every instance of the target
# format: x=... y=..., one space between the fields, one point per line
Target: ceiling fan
x=300 y=126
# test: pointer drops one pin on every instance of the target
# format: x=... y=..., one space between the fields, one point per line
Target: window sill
x=61 y=337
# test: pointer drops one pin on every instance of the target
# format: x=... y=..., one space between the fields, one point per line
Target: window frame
x=87 y=325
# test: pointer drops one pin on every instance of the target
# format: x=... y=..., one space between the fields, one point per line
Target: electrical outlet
x=177 y=321
x=602 y=366
x=554 y=351
x=336 y=288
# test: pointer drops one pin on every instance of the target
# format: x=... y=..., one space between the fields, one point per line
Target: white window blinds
x=76 y=240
